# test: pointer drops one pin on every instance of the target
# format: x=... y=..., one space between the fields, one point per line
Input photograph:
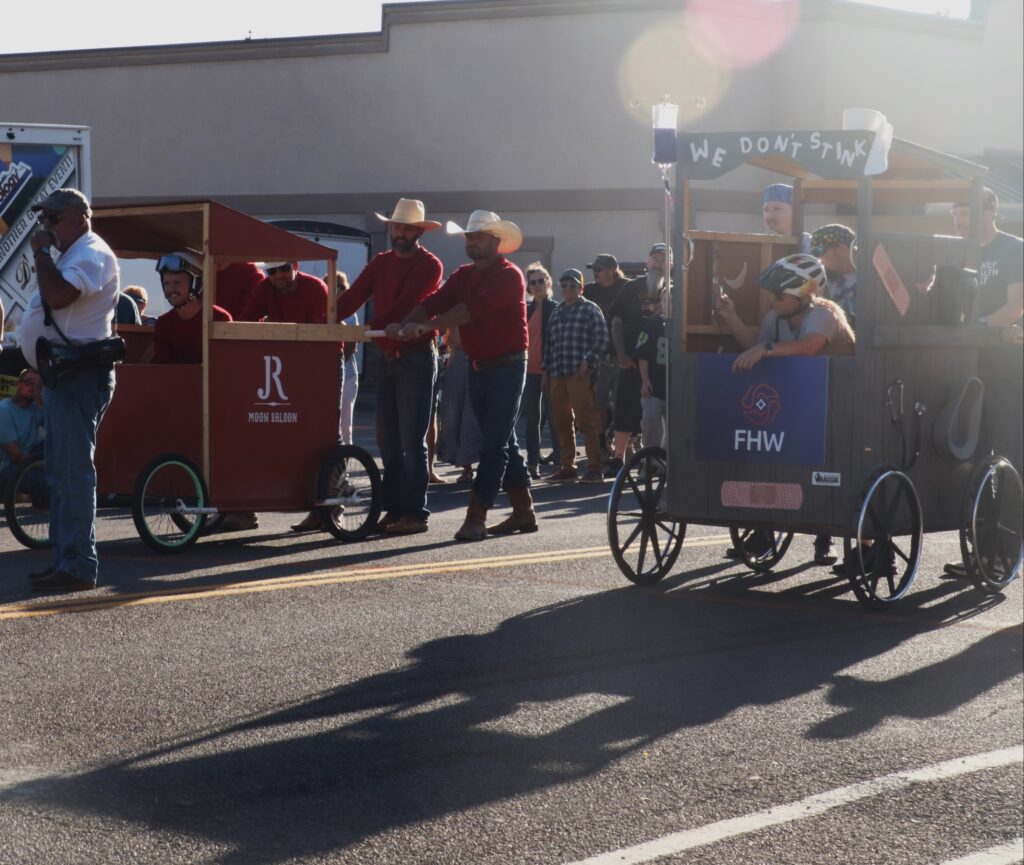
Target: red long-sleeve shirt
x=306 y=304
x=496 y=299
x=234 y=285
x=180 y=340
x=397 y=285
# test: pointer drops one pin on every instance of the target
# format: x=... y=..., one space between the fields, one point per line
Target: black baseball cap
x=604 y=260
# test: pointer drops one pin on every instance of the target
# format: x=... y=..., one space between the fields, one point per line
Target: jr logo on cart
x=272 y=382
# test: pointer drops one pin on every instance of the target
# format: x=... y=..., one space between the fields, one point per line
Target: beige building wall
x=538 y=109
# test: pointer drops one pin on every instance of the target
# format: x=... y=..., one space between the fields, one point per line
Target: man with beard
x=178 y=335
x=486 y=300
x=398 y=281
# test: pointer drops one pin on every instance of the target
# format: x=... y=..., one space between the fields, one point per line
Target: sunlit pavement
x=270 y=697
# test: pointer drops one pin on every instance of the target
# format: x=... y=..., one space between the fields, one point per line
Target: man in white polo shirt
x=75 y=304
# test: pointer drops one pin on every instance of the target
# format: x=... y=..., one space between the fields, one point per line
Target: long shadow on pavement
x=439 y=735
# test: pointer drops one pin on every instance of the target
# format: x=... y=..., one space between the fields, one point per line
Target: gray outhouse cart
x=918 y=431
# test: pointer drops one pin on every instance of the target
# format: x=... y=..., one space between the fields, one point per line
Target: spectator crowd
x=462 y=361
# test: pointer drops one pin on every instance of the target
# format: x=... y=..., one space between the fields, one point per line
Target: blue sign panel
x=774 y=413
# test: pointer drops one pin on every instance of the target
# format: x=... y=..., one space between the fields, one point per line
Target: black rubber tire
x=160 y=527
x=992 y=526
x=889 y=503
x=764 y=561
x=28 y=520
x=349 y=472
x=636 y=510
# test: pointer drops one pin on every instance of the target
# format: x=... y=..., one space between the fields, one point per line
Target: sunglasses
x=49 y=218
x=538 y=282
x=284 y=268
x=570 y=284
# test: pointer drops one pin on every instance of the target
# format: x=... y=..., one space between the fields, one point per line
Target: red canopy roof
x=150 y=230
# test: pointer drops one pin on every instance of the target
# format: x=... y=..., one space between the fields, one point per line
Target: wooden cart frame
x=882 y=463
x=254 y=426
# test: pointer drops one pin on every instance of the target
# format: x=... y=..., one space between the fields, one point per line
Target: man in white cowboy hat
x=486 y=300
x=399 y=280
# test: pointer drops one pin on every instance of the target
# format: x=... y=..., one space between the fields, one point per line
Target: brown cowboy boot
x=522 y=519
x=474 y=527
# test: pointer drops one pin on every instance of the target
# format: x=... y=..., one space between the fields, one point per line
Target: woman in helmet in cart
x=800 y=320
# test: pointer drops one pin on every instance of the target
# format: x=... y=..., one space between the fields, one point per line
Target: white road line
x=812 y=806
x=1010 y=853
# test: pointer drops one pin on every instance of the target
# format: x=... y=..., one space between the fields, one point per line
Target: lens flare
x=659 y=63
x=735 y=34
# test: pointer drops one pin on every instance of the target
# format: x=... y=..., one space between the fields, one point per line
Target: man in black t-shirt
x=1001 y=272
x=651 y=354
x=626 y=316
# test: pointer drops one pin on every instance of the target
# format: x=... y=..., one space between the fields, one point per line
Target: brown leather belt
x=405 y=351
x=499 y=360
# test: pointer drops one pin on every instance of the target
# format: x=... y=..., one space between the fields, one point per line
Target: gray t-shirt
x=817 y=319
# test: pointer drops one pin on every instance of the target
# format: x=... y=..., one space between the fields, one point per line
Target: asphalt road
x=272 y=698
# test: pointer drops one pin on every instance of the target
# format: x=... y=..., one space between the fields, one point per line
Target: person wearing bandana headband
x=833 y=244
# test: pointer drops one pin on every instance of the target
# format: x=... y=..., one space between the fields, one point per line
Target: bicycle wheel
x=760 y=549
x=348 y=493
x=885 y=551
x=992 y=526
x=167 y=492
x=27 y=504
x=644 y=540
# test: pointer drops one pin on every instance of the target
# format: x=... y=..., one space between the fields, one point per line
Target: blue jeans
x=537 y=408
x=405 y=392
x=495 y=394
x=73 y=411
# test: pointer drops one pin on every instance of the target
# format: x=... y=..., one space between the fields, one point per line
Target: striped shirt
x=577 y=331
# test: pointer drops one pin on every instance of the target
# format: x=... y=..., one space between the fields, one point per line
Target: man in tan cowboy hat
x=398 y=281
x=486 y=300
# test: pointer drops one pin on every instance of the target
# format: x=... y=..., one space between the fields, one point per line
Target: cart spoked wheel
x=348 y=493
x=166 y=503
x=645 y=541
x=27 y=504
x=992 y=525
x=760 y=549
x=884 y=554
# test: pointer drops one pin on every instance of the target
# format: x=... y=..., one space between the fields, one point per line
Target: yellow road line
x=274 y=584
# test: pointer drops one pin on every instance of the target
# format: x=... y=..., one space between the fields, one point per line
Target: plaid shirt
x=576 y=331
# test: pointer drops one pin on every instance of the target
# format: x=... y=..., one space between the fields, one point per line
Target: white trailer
x=35 y=159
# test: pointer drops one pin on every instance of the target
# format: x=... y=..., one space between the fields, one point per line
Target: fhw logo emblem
x=761 y=404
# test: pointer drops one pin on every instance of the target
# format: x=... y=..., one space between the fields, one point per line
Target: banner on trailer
x=28 y=173
x=774 y=413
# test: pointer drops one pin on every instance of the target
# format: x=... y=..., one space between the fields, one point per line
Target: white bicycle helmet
x=800 y=275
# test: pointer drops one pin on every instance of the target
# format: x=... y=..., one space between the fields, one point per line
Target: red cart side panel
x=273 y=418
x=157 y=408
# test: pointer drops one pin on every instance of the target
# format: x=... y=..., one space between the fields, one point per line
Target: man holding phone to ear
x=75 y=303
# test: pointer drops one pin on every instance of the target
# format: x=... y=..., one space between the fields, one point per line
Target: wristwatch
x=45 y=250
x=767 y=347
